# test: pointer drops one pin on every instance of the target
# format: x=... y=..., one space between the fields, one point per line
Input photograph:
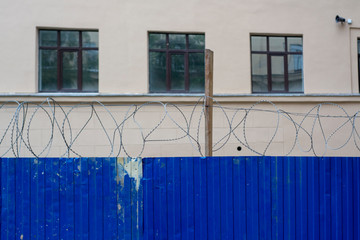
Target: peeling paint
x=133 y=168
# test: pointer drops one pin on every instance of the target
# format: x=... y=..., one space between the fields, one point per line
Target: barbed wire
x=333 y=130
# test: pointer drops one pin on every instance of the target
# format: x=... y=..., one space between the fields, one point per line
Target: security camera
x=339 y=19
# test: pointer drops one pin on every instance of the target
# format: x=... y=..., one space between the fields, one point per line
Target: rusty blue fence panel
x=252 y=198
x=73 y=198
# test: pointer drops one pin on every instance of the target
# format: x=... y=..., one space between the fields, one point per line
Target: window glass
x=157 y=41
x=70 y=70
x=157 y=71
x=68 y=64
x=177 y=72
x=177 y=41
x=176 y=62
x=276 y=64
x=90 y=39
x=259 y=72
x=196 y=41
x=294 y=44
x=277 y=73
x=90 y=70
x=258 y=43
x=197 y=72
x=48 y=70
x=69 y=38
x=48 y=38
x=295 y=71
x=277 y=44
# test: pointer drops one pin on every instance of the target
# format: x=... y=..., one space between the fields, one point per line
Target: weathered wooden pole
x=209 y=61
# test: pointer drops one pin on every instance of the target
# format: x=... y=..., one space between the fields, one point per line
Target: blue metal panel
x=239 y=186
x=325 y=198
x=136 y=205
x=187 y=198
x=336 y=204
x=226 y=200
x=124 y=202
x=66 y=199
x=301 y=198
x=289 y=199
x=347 y=198
x=313 y=198
x=277 y=197
x=252 y=198
x=52 y=201
x=160 y=204
x=81 y=186
x=22 y=198
x=8 y=199
x=173 y=198
x=149 y=199
x=213 y=181
x=200 y=200
x=37 y=198
x=109 y=198
x=95 y=199
x=266 y=185
x=356 y=197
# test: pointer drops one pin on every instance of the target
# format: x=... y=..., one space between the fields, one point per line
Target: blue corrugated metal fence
x=86 y=198
x=180 y=198
x=252 y=198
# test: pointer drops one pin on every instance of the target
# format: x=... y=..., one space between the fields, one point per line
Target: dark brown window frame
x=169 y=52
x=60 y=50
x=275 y=53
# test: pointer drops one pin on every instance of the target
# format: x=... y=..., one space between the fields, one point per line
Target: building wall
x=123 y=26
x=329 y=62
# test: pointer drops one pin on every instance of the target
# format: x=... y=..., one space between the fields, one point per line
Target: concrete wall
x=330 y=64
x=135 y=127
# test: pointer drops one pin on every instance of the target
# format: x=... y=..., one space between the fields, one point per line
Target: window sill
x=177 y=97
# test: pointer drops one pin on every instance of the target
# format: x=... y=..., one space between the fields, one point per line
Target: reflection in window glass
x=177 y=72
x=68 y=64
x=277 y=44
x=295 y=71
x=177 y=41
x=276 y=64
x=196 y=41
x=176 y=62
x=277 y=73
x=259 y=72
x=90 y=39
x=90 y=70
x=258 y=43
x=157 y=71
x=69 y=38
x=70 y=70
x=48 y=38
x=294 y=44
x=197 y=72
x=48 y=70
x=157 y=41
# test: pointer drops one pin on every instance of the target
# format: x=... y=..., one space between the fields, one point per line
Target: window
x=276 y=64
x=176 y=62
x=358 y=45
x=68 y=61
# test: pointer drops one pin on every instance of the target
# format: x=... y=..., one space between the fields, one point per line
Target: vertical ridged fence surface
x=180 y=198
x=252 y=198
x=74 y=198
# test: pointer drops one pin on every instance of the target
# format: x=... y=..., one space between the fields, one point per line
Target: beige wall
x=296 y=126
x=330 y=64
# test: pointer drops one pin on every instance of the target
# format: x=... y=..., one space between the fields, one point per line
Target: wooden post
x=209 y=61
